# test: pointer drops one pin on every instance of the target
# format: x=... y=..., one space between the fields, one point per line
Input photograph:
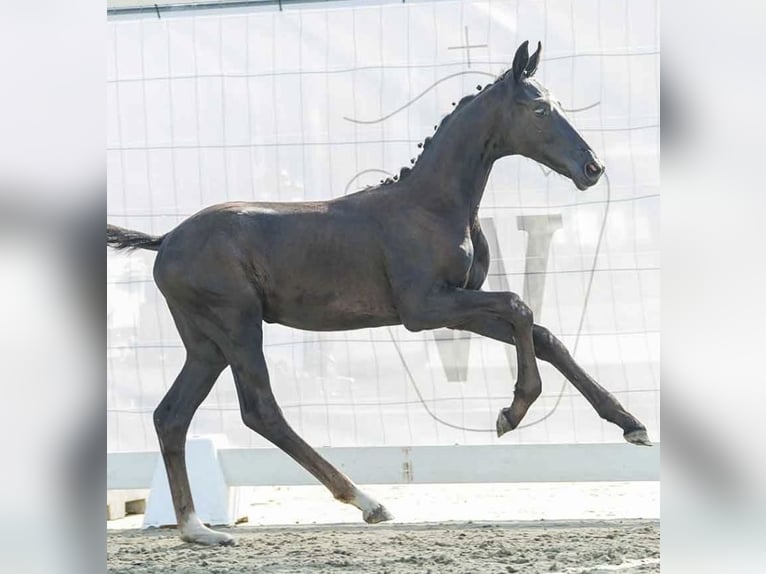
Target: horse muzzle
x=593 y=170
x=588 y=173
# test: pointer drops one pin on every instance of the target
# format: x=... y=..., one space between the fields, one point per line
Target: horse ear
x=520 y=60
x=534 y=60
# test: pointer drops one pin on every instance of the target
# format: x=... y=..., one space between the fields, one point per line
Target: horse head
x=532 y=123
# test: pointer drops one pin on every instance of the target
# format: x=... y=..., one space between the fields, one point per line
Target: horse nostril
x=593 y=169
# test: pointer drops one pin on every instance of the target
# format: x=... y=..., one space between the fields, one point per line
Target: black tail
x=120 y=238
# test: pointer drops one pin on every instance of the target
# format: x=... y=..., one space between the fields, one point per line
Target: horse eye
x=540 y=112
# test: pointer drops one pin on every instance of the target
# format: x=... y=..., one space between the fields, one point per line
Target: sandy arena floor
x=587 y=547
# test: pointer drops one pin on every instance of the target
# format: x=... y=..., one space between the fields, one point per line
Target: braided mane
x=406 y=170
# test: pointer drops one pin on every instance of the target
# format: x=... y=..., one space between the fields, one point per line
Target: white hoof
x=638 y=437
x=196 y=532
x=377 y=514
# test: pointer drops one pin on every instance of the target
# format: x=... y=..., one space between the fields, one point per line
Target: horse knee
x=521 y=312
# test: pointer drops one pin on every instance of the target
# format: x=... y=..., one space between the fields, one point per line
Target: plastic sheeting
x=258 y=104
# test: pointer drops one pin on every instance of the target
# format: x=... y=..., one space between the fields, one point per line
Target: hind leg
x=240 y=335
x=204 y=362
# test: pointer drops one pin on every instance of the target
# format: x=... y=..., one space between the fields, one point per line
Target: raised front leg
x=456 y=307
x=550 y=349
x=553 y=351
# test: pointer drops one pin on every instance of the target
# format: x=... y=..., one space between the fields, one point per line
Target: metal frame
x=148 y=8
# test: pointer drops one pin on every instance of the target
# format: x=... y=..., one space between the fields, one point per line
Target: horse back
x=315 y=266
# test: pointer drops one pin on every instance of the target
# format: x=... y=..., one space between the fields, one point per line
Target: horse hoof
x=197 y=533
x=638 y=436
x=503 y=425
x=209 y=538
x=377 y=514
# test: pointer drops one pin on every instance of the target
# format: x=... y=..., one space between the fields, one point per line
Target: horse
x=409 y=252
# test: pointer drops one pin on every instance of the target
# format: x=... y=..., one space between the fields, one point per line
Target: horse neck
x=453 y=171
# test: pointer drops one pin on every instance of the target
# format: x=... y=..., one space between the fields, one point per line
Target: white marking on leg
x=372 y=510
x=364 y=502
x=192 y=530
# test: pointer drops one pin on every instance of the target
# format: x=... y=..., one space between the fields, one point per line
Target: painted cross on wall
x=467 y=47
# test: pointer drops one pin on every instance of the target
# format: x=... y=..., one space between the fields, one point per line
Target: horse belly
x=328 y=296
x=332 y=310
